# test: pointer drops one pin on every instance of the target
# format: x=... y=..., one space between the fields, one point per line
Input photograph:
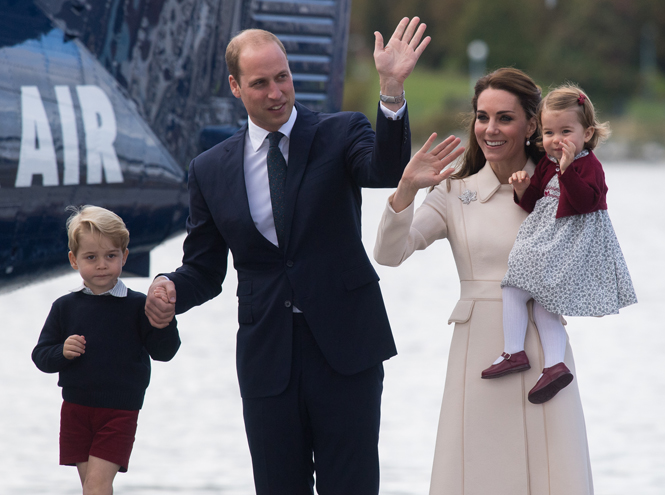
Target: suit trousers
x=324 y=425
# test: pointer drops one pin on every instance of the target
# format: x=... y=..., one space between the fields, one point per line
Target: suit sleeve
x=205 y=253
x=47 y=354
x=377 y=159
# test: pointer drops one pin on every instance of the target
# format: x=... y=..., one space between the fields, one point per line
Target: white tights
x=515 y=320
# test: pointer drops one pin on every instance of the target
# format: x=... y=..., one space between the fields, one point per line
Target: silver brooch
x=467 y=196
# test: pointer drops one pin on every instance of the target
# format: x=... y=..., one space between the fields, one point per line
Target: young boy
x=100 y=341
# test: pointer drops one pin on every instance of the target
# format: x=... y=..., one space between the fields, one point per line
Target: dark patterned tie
x=277 y=178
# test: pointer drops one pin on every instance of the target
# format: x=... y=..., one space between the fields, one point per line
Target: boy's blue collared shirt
x=119 y=290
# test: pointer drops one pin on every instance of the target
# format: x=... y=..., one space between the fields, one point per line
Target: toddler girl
x=566 y=255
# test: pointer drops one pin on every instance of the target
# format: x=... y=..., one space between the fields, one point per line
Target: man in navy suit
x=313 y=327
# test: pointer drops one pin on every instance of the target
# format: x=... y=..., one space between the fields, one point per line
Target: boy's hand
x=520 y=181
x=74 y=346
x=160 y=292
x=160 y=302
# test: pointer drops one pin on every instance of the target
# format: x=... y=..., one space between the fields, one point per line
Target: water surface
x=191 y=437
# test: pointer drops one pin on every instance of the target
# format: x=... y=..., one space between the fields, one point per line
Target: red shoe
x=512 y=363
x=548 y=385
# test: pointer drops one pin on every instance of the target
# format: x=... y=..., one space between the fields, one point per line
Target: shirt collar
x=119 y=290
x=257 y=135
x=488 y=183
x=581 y=154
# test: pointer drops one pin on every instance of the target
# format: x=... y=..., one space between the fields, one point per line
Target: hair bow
x=580 y=99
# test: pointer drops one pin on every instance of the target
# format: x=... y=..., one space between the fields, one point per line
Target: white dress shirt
x=256 y=169
x=256 y=173
x=118 y=290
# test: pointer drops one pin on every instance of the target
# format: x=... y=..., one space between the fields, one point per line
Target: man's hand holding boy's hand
x=74 y=346
x=160 y=302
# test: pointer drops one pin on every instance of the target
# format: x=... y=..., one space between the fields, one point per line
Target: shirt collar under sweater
x=581 y=154
x=119 y=290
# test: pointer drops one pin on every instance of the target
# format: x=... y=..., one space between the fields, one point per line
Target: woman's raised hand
x=426 y=169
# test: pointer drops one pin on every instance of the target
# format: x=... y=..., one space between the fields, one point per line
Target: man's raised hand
x=396 y=60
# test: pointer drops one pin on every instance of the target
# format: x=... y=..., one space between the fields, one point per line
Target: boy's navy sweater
x=114 y=372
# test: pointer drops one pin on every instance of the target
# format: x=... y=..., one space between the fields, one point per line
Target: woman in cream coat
x=491 y=439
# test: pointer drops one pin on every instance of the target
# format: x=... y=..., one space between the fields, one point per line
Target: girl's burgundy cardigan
x=583 y=188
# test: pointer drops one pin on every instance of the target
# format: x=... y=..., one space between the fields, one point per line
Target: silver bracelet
x=391 y=99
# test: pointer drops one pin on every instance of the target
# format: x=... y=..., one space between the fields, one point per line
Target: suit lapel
x=300 y=143
x=232 y=175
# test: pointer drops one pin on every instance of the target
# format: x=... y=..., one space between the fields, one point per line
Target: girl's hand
x=74 y=346
x=568 y=154
x=520 y=182
x=426 y=169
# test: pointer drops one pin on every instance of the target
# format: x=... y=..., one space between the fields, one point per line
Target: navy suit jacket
x=323 y=265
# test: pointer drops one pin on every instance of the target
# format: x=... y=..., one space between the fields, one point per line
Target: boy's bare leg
x=82 y=469
x=97 y=476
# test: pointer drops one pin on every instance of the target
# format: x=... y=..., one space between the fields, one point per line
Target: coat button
x=287 y=304
x=289 y=263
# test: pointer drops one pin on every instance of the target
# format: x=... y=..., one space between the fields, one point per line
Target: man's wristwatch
x=391 y=99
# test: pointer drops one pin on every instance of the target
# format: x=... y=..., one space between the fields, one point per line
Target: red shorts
x=100 y=432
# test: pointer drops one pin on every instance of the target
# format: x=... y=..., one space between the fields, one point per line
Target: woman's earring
x=528 y=143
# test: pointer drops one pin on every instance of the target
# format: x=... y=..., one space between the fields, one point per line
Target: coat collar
x=488 y=183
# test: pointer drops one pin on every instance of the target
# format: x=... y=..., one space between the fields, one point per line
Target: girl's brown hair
x=571 y=97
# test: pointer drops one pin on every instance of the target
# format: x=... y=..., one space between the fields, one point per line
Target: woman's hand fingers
x=445 y=143
x=450 y=149
x=428 y=144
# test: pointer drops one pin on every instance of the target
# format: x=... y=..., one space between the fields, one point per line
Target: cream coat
x=490 y=440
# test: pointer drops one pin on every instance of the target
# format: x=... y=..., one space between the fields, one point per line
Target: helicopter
x=105 y=103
